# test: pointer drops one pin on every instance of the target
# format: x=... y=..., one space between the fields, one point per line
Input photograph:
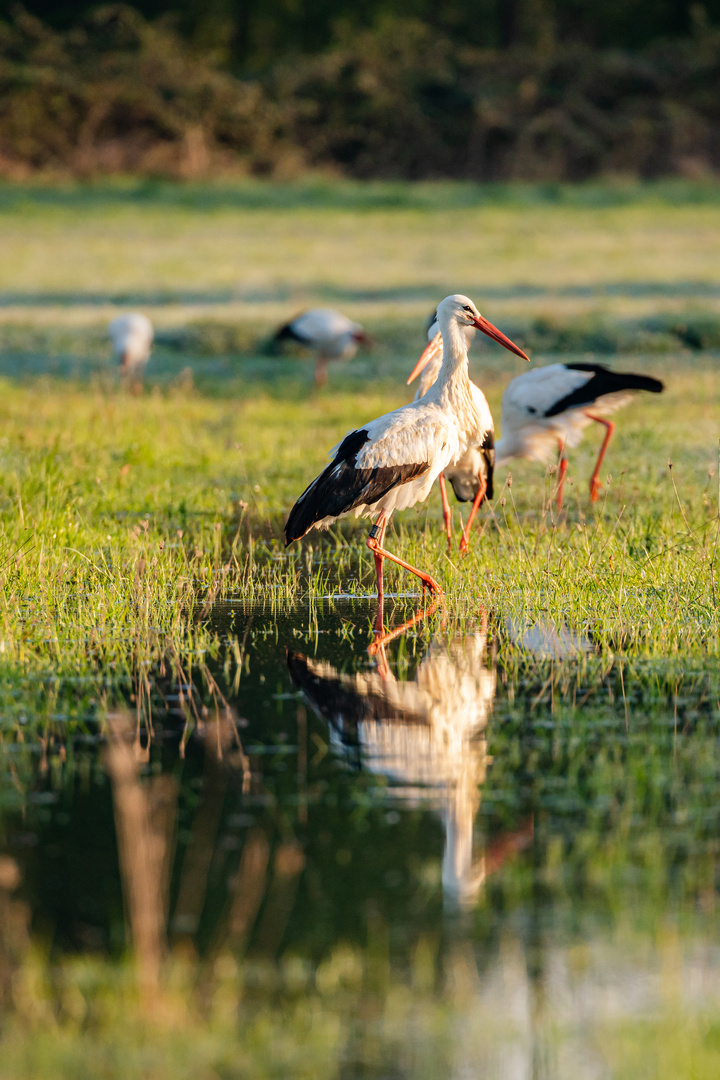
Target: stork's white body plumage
x=132 y=340
x=471 y=475
x=433 y=434
x=549 y=408
x=391 y=463
x=329 y=333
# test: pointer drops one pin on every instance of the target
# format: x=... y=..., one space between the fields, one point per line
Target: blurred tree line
x=495 y=90
x=255 y=33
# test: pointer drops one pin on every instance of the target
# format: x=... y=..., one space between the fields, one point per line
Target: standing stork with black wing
x=392 y=462
x=547 y=409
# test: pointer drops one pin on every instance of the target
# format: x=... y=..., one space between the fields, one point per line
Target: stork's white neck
x=453 y=382
x=454 y=347
x=462 y=875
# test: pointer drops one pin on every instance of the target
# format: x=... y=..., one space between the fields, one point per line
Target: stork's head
x=464 y=312
x=461 y=310
x=459 y=307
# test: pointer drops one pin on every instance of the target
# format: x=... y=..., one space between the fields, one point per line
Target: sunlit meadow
x=146 y=593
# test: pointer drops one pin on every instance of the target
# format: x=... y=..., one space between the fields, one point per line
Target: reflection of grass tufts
x=265 y=1021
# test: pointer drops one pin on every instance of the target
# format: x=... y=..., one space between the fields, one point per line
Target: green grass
x=122 y=520
x=263 y=247
x=120 y=514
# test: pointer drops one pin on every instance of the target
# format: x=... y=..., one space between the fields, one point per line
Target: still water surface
x=492 y=816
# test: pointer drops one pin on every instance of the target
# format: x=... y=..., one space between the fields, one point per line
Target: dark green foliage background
x=259 y=31
x=529 y=90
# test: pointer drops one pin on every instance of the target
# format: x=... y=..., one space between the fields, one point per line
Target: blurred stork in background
x=330 y=334
x=547 y=409
x=132 y=340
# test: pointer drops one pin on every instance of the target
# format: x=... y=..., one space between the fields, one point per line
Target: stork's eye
x=466 y=307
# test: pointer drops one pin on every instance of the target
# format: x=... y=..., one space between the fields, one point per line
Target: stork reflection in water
x=427 y=736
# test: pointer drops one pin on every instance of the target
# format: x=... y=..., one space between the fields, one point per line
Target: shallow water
x=495 y=818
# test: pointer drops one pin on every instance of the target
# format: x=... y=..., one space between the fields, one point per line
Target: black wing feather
x=289 y=333
x=603 y=382
x=341 y=487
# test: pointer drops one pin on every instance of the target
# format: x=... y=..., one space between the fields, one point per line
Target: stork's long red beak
x=432 y=349
x=497 y=335
x=429 y=353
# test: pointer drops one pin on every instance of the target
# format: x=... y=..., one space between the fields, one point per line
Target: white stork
x=329 y=333
x=471 y=475
x=132 y=340
x=547 y=409
x=393 y=462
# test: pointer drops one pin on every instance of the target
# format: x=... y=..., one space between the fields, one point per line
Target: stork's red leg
x=321 y=371
x=473 y=511
x=562 y=469
x=377 y=534
x=446 y=510
x=595 y=483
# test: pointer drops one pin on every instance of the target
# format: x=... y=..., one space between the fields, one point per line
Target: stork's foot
x=595 y=489
x=426 y=581
x=465 y=538
x=430 y=583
